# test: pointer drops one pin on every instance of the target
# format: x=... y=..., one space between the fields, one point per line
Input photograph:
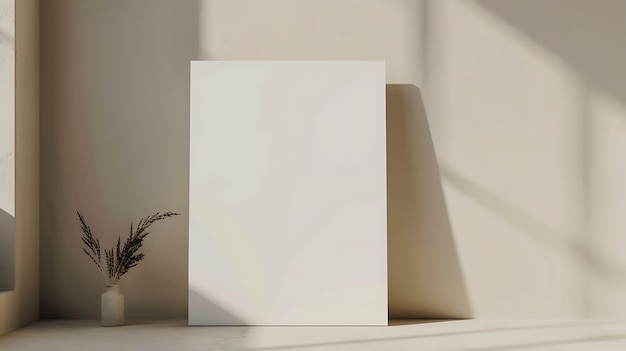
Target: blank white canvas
x=287 y=194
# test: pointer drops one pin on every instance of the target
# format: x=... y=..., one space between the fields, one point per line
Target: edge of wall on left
x=21 y=306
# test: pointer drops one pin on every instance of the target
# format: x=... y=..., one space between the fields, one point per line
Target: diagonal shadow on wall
x=203 y=307
x=7 y=251
x=425 y=277
x=581 y=33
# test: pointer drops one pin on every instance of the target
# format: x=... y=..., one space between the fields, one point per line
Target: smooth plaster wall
x=525 y=102
x=115 y=110
x=115 y=117
x=21 y=305
x=7 y=145
x=527 y=107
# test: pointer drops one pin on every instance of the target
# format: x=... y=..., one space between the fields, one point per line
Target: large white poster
x=287 y=212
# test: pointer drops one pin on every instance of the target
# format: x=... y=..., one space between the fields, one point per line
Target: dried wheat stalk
x=120 y=258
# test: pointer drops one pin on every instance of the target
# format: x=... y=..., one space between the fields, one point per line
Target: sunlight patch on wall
x=510 y=153
x=607 y=239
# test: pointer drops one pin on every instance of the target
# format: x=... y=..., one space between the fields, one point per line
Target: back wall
x=115 y=115
x=526 y=105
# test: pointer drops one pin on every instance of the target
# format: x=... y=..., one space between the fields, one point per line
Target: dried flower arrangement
x=120 y=258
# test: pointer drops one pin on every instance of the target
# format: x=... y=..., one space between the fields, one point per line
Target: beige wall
x=115 y=115
x=525 y=102
x=115 y=118
x=21 y=306
x=7 y=144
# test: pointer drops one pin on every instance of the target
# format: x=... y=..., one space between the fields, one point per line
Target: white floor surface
x=468 y=335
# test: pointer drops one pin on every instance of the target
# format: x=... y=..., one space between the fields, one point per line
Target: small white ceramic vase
x=112 y=306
